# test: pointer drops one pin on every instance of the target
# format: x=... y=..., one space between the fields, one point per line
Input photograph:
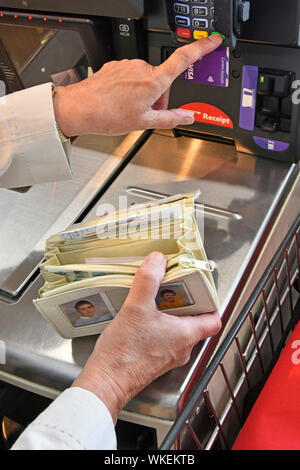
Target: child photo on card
x=172 y=296
x=88 y=311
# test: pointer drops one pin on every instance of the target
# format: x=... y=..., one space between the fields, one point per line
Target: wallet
x=89 y=268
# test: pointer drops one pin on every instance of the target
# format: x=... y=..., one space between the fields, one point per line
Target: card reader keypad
x=194 y=19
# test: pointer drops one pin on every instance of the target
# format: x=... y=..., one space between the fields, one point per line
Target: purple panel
x=248 y=97
x=272 y=145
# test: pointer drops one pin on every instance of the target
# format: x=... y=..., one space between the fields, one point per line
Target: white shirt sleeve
x=31 y=151
x=76 y=420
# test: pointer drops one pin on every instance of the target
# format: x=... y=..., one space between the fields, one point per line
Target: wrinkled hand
x=128 y=95
x=142 y=343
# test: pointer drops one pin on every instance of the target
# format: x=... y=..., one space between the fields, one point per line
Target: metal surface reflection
x=44 y=208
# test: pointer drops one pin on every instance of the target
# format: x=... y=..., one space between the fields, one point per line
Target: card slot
x=169 y=204
x=175 y=231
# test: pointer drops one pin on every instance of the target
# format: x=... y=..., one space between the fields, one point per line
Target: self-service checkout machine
x=242 y=153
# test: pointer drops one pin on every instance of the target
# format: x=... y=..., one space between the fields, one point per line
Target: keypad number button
x=200 y=23
x=199 y=11
x=181 y=9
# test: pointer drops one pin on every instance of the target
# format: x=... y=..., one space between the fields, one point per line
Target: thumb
x=168 y=119
x=147 y=280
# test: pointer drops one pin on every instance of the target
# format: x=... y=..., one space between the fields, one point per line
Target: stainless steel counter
x=27 y=218
x=242 y=197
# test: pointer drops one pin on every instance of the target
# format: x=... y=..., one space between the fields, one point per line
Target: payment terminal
x=247 y=90
x=195 y=19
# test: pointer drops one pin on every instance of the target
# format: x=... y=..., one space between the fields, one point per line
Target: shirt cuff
x=76 y=420
x=30 y=139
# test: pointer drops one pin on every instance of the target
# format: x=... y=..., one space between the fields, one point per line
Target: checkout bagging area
x=242 y=153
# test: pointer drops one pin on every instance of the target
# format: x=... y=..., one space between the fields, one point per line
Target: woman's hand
x=128 y=95
x=142 y=343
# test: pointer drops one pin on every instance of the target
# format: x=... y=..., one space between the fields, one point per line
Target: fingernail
x=155 y=258
x=187 y=117
x=216 y=37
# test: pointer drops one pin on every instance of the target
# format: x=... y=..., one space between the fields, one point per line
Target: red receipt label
x=209 y=114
